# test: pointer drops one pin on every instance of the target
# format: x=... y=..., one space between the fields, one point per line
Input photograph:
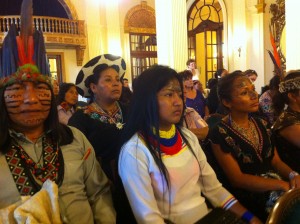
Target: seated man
x=35 y=148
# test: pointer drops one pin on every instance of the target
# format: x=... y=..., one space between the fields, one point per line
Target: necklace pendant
x=38 y=171
x=119 y=125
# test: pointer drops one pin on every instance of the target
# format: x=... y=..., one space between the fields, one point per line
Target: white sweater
x=147 y=190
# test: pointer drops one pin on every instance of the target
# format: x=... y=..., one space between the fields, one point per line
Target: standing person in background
x=212 y=99
x=251 y=74
x=191 y=66
x=250 y=167
x=191 y=119
x=194 y=98
x=198 y=86
x=286 y=129
x=162 y=166
x=67 y=100
x=126 y=92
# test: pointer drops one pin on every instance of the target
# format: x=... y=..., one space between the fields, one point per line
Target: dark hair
x=60 y=133
x=144 y=111
x=249 y=72
x=63 y=89
x=211 y=83
x=280 y=99
x=274 y=82
x=188 y=62
x=218 y=73
x=186 y=74
x=225 y=85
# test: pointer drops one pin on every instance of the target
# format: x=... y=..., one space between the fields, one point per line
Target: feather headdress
x=23 y=56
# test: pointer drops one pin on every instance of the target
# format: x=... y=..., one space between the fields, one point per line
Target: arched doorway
x=206 y=36
x=140 y=24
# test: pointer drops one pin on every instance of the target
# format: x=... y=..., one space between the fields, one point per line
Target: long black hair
x=144 y=112
x=59 y=133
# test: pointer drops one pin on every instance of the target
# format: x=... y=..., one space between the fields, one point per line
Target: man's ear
x=226 y=103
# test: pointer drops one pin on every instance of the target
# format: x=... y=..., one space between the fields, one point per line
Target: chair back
x=287 y=209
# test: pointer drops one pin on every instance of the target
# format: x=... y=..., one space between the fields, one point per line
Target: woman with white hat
x=103 y=119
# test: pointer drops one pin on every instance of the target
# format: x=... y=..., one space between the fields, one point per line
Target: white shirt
x=146 y=188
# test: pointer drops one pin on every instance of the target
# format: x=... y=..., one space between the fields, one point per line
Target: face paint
x=170 y=105
x=243 y=87
x=27 y=103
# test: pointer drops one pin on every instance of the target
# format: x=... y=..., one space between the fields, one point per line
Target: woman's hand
x=283 y=185
x=295 y=182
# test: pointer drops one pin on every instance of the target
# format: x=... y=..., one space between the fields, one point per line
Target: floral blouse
x=251 y=160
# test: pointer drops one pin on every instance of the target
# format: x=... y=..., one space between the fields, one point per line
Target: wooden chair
x=287 y=209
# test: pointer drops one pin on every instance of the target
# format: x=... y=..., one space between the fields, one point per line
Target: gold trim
x=140 y=19
x=70 y=8
x=80 y=55
x=261 y=6
x=277 y=25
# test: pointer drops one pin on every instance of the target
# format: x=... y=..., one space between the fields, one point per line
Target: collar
x=18 y=136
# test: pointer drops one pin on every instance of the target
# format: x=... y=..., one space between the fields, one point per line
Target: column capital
x=260 y=7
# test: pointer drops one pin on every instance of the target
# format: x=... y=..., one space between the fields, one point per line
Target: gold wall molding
x=260 y=7
x=69 y=8
x=277 y=26
x=140 y=19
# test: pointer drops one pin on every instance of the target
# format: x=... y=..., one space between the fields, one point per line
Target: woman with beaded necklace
x=161 y=164
x=287 y=127
x=103 y=119
x=249 y=166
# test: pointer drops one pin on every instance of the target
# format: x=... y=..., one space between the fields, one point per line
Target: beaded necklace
x=115 y=117
x=252 y=134
x=28 y=174
x=170 y=141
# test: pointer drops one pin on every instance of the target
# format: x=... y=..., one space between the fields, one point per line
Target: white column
x=113 y=27
x=292 y=34
x=171 y=33
x=93 y=28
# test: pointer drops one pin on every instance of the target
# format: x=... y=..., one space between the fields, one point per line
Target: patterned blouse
x=266 y=107
x=251 y=159
x=288 y=152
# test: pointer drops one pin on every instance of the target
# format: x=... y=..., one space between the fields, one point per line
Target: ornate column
x=292 y=34
x=171 y=33
x=256 y=46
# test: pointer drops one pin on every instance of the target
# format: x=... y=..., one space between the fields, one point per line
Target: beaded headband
x=291 y=84
x=27 y=72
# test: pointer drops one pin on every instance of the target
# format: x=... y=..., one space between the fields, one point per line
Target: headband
x=27 y=72
x=289 y=85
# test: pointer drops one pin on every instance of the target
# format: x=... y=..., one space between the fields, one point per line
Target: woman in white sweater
x=161 y=164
